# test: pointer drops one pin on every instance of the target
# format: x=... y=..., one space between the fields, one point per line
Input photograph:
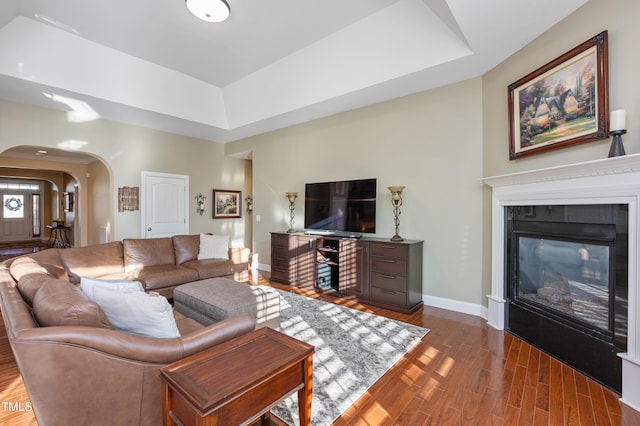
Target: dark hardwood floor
x=9 y=250
x=462 y=373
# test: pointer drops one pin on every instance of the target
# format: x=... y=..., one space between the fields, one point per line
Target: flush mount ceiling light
x=209 y=10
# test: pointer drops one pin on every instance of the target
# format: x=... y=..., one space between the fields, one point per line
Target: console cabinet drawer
x=283 y=240
x=279 y=252
x=282 y=274
x=389 y=297
x=285 y=263
x=390 y=250
x=389 y=265
x=389 y=281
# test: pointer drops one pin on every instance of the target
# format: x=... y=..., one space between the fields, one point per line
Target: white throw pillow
x=213 y=247
x=87 y=284
x=137 y=312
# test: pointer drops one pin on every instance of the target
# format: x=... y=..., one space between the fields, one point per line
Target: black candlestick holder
x=617 y=149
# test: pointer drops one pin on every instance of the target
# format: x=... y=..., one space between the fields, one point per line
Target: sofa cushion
x=30 y=284
x=186 y=247
x=213 y=247
x=137 y=312
x=88 y=284
x=37 y=264
x=141 y=253
x=92 y=261
x=210 y=268
x=51 y=260
x=26 y=265
x=161 y=276
x=60 y=303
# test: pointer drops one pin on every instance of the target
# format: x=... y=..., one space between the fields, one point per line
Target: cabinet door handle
x=388 y=247
x=387 y=261
x=384 y=290
x=390 y=277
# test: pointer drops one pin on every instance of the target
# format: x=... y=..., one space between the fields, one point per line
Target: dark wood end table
x=238 y=381
x=58 y=237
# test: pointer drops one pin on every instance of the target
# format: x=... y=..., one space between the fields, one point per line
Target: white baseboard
x=264 y=267
x=456 y=306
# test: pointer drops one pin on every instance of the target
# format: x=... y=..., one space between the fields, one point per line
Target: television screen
x=341 y=206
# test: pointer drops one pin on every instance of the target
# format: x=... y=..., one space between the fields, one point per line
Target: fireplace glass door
x=569 y=278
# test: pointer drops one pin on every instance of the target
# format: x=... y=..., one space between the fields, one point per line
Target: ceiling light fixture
x=209 y=10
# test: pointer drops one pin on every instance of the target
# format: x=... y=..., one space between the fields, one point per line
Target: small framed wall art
x=68 y=202
x=226 y=204
x=128 y=197
x=562 y=103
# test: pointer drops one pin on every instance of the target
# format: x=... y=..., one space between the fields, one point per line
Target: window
x=19 y=186
x=13 y=206
x=35 y=203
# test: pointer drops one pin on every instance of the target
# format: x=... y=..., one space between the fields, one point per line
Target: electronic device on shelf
x=338 y=234
x=319 y=232
x=342 y=234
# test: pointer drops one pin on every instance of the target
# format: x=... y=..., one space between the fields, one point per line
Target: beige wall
x=127 y=151
x=620 y=19
x=430 y=142
x=99 y=201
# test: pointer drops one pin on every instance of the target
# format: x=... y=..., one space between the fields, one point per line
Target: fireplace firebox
x=566 y=283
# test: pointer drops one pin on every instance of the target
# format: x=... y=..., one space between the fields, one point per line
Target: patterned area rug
x=353 y=350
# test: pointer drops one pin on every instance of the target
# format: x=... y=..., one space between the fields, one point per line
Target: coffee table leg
x=305 y=394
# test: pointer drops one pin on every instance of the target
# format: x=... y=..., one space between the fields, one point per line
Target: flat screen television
x=348 y=206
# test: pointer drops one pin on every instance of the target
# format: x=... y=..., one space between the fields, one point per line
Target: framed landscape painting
x=226 y=204
x=562 y=103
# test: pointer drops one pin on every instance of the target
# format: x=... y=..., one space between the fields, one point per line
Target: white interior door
x=15 y=220
x=164 y=204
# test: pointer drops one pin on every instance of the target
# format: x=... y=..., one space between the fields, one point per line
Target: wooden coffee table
x=238 y=381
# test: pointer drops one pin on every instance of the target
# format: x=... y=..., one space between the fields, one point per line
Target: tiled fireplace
x=565 y=256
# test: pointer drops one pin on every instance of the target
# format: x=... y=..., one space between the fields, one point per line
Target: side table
x=238 y=381
x=58 y=237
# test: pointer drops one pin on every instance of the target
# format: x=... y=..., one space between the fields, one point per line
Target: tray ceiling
x=272 y=64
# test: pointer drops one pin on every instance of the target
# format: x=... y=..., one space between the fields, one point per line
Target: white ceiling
x=272 y=64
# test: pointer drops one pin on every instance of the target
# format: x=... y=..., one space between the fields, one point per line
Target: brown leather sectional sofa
x=77 y=369
x=160 y=264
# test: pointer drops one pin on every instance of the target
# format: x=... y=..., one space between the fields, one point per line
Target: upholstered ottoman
x=215 y=299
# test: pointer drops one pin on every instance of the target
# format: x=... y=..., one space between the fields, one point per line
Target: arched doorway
x=77 y=188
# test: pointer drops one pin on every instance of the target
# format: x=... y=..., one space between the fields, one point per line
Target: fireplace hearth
x=567 y=286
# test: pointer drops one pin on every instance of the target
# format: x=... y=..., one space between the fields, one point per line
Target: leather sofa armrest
x=139 y=348
x=227 y=329
x=239 y=254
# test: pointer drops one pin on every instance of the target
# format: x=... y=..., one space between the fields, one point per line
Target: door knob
x=149 y=229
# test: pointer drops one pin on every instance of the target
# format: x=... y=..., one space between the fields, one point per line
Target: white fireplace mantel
x=609 y=181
